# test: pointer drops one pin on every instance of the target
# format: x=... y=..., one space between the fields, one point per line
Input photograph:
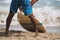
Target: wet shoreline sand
x=25 y=35
x=21 y=35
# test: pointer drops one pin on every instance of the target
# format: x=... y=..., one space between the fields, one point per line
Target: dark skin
x=32 y=18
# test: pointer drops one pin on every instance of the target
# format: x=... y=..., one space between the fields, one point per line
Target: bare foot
x=36 y=34
x=6 y=34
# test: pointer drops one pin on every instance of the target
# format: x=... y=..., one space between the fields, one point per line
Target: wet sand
x=22 y=35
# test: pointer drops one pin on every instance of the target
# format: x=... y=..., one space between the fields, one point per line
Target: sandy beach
x=53 y=33
x=21 y=35
x=46 y=11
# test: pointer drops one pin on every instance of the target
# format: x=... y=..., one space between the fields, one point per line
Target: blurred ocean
x=46 y=11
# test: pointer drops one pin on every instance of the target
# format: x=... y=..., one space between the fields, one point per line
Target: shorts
x=26 y=6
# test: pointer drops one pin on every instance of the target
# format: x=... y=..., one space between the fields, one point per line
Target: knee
x=10 y=16
x=32 y=16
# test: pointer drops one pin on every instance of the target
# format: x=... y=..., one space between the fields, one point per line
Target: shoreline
x=20 y=28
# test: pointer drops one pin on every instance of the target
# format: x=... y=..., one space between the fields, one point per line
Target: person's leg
x=8 y=21
x=33 y=20
x=13 y=10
